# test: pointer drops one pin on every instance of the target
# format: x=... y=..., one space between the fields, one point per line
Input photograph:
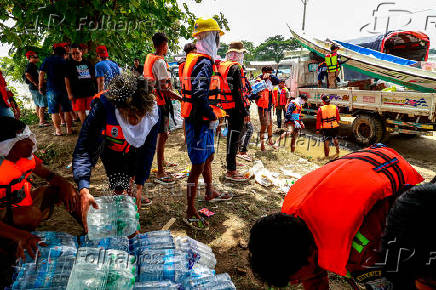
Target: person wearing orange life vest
x=265 y=105
x=22 y=208
x=280 y=100
x=199 y=85
x=333 y=219
x=188 y=48
x=232 y=101
x=156 y=71
x=327 y=121
x=121 y=129
x=293 y=121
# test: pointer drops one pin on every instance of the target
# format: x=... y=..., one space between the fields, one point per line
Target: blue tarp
x=376 y=54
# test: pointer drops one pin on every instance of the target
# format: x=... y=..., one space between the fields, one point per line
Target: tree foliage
x=274 y=48
x=124 y=26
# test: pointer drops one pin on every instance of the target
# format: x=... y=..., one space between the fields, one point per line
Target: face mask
x=207 y=43
x=236 y=56
x=6 y=145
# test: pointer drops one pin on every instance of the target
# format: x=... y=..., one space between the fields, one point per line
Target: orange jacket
x=214 y=87
x=227 y=101
x=327 y=117
x=15 y=188
x=148 y=74
x=263 y=101
x=334 y=199
x=279 y=96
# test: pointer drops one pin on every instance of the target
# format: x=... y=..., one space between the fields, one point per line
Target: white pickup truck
x=376 y=113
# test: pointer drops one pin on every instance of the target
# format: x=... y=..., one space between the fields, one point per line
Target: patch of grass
x=29 y=117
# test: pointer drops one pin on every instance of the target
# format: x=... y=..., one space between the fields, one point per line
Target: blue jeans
x=38 y=99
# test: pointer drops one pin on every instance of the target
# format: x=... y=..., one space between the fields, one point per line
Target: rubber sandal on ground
x=170 y=164
x=240 y=164
x=144 y=203
x=221 y=198
x=56 y=134
x=166 y=180
x=196 y=224
x=237 y=177
x=244 y=157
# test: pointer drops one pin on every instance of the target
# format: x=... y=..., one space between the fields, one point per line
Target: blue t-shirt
x=54 y=67
x=107 y=69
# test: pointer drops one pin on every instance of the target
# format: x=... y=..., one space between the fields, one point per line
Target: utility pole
x=304 y=12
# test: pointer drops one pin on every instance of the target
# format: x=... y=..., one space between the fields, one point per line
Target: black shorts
x=330 y=133
x=164 y=119
x=120 y=168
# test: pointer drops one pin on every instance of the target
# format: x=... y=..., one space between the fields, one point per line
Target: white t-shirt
x=160 y=71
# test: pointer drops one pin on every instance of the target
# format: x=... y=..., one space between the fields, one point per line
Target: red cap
x=29 y=54
x=61 y=44
x=101 y=51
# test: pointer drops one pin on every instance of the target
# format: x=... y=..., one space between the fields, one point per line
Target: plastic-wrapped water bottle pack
x=165 y=262
x=116 y=216
x=53 y=263
x=154 y=260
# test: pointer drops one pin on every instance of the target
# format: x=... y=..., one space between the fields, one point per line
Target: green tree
x=223 y=50
x=124 y=26
x=249 y=46
x=274 y=48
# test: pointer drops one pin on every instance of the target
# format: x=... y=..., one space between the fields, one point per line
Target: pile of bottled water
x=153 y=260
x=165 y=262
x=52 y=266
x=117 y=215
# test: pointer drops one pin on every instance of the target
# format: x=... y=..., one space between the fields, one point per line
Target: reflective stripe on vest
x=148 y=75
x=214 y=86
x=113 y=132
x=227 y=101
x=15 y=188
x=331 y=60
x=341 y=193
x=328 y=117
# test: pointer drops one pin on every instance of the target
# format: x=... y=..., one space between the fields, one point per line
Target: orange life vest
x=328 y=117
x=113 y=132
x=279 y=96
x=263 y=101
x=181 y=66
x=214 y=86
x=15 y=188
x=334 y=199
x=148 y=74
x=227 y=101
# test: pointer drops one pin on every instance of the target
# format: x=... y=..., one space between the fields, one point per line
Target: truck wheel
x=368 y=129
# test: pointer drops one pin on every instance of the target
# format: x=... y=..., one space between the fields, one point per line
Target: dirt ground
x=229 y=227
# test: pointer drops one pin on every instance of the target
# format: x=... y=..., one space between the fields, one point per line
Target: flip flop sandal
x=166 y=180
x=146 y=203
x=170 y=164
x=56 y=134
x=196 y=224
x=220 y=198
x=237 y=177
x=245 y=157
x=240 y=164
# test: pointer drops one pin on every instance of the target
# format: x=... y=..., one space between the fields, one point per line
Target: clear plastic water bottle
x=116 y=216
x=174 y=272
x=88 y=276
x=221 y=281
x=157 y=285
x=199 y=253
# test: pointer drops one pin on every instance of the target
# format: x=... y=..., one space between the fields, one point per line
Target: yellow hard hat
x=202 y=25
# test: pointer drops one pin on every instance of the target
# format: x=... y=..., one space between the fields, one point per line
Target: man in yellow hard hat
x=199 y=89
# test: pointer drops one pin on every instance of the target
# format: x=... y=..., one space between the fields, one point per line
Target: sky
x=256 y=20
